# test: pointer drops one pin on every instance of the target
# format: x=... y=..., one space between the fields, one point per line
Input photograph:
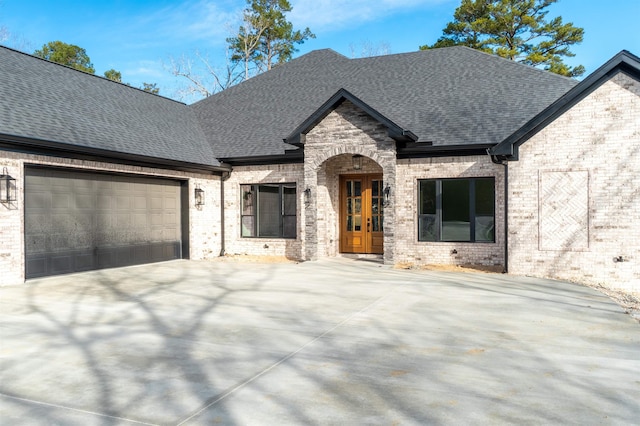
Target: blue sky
x=139 y=37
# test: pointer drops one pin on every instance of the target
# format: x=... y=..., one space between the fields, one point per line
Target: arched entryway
x=347 y=213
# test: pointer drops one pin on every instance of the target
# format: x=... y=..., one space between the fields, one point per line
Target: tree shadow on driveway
x=315 y=343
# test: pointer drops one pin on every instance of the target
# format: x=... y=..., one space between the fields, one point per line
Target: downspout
x=504 y=163
x=223 y=177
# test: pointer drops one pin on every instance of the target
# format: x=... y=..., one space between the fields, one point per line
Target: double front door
x=361 y=214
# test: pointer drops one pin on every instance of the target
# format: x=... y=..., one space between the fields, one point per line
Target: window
x=456 y=210
x=268 y=210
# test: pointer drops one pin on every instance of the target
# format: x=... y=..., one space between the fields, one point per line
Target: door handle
x=368 y=224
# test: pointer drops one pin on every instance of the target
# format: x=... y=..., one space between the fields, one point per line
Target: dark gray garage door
x=79 y=221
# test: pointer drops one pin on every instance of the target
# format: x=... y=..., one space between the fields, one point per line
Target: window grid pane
x=456 y=210
x=268 y=210
x=456 y=225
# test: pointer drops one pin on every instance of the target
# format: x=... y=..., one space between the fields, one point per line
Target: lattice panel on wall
x=564 y=210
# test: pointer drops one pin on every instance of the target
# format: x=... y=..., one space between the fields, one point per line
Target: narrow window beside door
x=268 y=210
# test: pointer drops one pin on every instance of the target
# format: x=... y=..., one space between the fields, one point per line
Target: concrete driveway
x=328 y=342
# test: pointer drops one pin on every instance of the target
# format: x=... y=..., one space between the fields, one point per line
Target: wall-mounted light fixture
x=386 y=192
x=198 y=194
x=8 y=192
x=307 y=195
x=356 y=162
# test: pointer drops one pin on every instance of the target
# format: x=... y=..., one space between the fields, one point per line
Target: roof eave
x=58 y=149
x=425 y=150
x=289 y=157
x=624 y=61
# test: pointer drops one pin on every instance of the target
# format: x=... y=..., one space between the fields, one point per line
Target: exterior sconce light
x=356 y=161
x=307 y=195
x=198 y=194
x=7 y=187
x=386 y=192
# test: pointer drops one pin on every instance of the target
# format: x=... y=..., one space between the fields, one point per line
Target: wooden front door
x=361 y=214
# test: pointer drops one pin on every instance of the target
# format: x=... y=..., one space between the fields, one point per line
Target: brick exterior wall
x=413 y=252
x=12 y=255
x=235 y=244
x=328 y=149
x=574 y=194
x=328 y=205
x=204 y=222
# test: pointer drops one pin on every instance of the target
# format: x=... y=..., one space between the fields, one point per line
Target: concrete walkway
x=329 y=342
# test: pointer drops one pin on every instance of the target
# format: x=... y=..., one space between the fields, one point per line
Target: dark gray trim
x=505 y=164
x=622 y=62
x=184 y=219
x=289 y=157
x=255 y=188
x=425 y=150
x=395 y=132
x=223 y=245
x=472 y=209
x=63 y=150
x=506 y=217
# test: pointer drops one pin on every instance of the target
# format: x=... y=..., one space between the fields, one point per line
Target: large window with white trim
x=460 y=210
x=268 y=210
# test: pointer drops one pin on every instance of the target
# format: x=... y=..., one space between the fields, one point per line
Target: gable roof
x=395 y=132
x=622 y=62
x=48 y=105
x=448 y=97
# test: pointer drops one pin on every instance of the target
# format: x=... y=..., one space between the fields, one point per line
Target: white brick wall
x=12 y=227
x=599 y=137
x=329 y=147
x=204 y=223
x=407 y=247
x=246 y=175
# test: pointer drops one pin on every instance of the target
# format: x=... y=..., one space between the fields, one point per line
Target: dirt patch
x=246 y=258
x=629 y=302
x=452 y=268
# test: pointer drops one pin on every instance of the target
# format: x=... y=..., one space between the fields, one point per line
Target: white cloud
x=146 y=69
x=187 y=21
x=323 y=15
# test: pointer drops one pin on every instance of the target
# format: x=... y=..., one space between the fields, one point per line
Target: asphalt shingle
x=46 y=101
x=450 y=96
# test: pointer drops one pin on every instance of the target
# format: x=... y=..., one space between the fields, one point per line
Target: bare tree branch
x=204 y=79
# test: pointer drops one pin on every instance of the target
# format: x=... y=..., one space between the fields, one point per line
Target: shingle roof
x=449 y=96
x=624 y=61
x=45 y=101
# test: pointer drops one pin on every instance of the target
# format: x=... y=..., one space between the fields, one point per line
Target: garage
x=80 y=221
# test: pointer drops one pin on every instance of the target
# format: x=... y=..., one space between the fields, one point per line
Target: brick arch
x=365 y=151
x=319 y=235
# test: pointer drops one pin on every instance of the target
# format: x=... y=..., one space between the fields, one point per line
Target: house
x=446 y=156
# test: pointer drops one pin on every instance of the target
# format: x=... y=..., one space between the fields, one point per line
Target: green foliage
x=514 y=29
x=266 y=38
x=113 y=75
x=151 y=88
x=66 y=54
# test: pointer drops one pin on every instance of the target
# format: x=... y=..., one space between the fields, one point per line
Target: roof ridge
x=510 y=61
x=86 y=73
x=492 y=56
